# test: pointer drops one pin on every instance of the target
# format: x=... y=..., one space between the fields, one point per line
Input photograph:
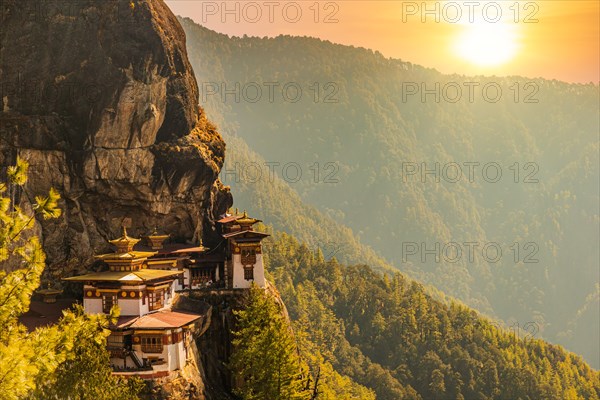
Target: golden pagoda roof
x=245 y=220
x=244 y=232
x=124 y=239
x=131 y=255
x=49 y=291
x=141 y=275
x=155 y=235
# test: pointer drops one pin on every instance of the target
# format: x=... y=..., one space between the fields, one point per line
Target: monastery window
x=108 y=300
x=152 y=344
x=155 y=300
x=202 y=274
x=248 y=256
x=249 y=273
x=114 y=341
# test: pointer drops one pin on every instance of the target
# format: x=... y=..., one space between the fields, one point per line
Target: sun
x=486 y=44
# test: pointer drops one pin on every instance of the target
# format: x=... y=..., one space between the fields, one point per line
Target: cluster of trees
x=386 y=333
x=271 y=362
x=63 y=361
x=542 y=134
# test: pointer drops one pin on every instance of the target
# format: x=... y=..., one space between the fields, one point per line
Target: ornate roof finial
x=155 y=240
x=246 y=220
x=125 y=243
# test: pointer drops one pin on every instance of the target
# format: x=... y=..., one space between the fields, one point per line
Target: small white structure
x=243 y=254
x=151 y=345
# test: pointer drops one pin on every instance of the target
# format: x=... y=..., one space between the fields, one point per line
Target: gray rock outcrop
x=100 y=98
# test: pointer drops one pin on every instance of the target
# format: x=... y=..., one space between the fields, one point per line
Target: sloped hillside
x=359 y=123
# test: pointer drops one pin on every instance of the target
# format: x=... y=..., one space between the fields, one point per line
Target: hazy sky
x=553 y=39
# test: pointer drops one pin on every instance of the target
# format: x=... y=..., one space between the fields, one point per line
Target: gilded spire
x=155 y=240
x=246 y=220
x=125 y=243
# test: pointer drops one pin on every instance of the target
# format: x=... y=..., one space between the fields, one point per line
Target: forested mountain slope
x=387 y=334
x=364 y=143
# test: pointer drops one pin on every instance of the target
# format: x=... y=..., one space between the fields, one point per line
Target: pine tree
x=266 y=358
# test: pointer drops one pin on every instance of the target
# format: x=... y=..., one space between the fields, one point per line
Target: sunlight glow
x=485 y=44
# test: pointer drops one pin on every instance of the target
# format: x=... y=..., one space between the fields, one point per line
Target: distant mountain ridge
x=388 y=122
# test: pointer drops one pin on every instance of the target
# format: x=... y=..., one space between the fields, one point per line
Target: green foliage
x=17 y=174
x=48 y=362
x=87 y=374
x=265 y=358
x=387 y=334
x=325 y=382
x=48 y=206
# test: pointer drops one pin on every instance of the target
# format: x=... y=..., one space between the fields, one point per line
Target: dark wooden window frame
x=249 y=273
x=108 y=300
x=152 y=344
x=156 y=299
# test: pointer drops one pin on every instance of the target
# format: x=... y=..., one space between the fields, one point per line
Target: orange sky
x=560 y=40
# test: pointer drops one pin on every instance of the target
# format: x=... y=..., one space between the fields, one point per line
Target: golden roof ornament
x=245 y=220
x=157 y=235
x=125 y=243
x=155 y=240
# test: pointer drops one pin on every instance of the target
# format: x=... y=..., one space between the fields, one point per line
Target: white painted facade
x=92 y=306
x=238 y=273
x=176 y=285
x=173 y=356
x=186 y=278
x=129 y=307
x=169 y=295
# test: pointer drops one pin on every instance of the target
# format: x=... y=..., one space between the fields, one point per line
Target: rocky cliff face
x=99 y=96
